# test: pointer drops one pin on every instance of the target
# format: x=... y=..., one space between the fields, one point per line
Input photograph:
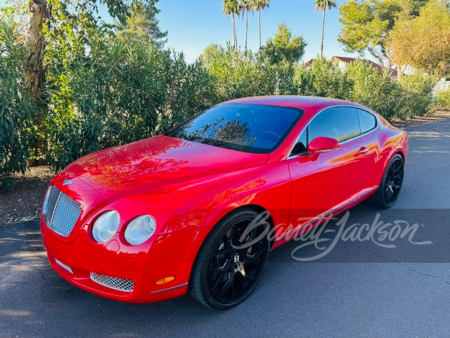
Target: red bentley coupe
x=181 y=211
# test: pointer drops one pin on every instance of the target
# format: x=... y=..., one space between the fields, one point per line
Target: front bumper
x=170 y=254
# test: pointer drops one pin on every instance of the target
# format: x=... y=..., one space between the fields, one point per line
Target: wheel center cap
x=236 y=259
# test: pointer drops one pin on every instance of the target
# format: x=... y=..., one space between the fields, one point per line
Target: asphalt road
x=359 y=289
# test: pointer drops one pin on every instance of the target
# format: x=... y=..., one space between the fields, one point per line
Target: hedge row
x=102 y=92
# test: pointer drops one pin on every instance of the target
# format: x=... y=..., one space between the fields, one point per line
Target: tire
x=391 y=184
x=223 y=274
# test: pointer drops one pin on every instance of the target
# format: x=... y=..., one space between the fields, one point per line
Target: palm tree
x=324 y=5
x=230 y=8
x=247 y=6
x=259 y=6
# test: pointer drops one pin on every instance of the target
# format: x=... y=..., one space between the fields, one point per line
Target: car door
x=322 y=182
x=369 y=123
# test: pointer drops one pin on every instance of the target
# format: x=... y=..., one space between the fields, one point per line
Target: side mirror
x=323 y=145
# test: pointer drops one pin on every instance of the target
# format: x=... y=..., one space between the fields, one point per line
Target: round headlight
x=140 y=229
x=106 y=226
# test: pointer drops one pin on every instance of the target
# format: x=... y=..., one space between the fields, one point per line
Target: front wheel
x=230 y=264
x=391 y=184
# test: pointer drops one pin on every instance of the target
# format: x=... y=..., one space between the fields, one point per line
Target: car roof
x=310 y=104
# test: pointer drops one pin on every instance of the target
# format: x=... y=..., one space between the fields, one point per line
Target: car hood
x=156 y=162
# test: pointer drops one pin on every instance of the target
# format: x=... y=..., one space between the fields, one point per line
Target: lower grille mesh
x=119 y=284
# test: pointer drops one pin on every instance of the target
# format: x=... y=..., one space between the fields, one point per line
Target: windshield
x=243 y=127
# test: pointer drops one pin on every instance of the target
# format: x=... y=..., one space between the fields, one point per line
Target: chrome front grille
x=60 y=212
x=120 y=284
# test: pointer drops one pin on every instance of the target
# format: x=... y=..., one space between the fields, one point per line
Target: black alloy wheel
x=229 y=265
x=391 y=184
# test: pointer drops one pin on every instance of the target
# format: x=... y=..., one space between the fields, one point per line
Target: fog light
x=164 y=280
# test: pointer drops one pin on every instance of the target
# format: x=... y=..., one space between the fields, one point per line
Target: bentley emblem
x=67 y=182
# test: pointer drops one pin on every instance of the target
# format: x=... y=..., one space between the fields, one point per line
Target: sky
x=194 y=24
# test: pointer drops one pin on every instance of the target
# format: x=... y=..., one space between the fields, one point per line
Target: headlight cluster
x=137 y=232
x=140 y=229
x=106 y=226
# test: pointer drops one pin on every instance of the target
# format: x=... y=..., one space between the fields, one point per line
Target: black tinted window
x=367 y=121
x=338 y=123
x=250 y=128
x=301 y=147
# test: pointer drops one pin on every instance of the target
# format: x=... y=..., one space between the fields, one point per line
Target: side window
x=367 y=121
x=340 y=123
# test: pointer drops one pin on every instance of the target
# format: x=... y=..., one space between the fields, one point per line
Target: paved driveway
x=358 y=289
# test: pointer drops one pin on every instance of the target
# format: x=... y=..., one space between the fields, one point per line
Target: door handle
x=363 y=150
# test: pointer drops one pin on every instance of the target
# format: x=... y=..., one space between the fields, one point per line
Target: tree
x=142 y=23
x=231 y=8
x=210 y=54
x=424 y=42
x=16 y=106
x=247 y=6
x=366 y=25
x=324 y=5
x=284 y=48
x=35 y=40
x=49 y=30
x=259 y=6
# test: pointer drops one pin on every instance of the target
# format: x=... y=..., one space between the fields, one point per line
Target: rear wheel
x=391 y=184
x=229 y=265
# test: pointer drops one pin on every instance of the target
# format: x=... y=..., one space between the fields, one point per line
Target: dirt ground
x=433 y=117
x=25 y=201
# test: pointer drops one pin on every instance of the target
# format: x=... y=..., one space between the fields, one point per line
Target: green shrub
x=443 y=101
x=16 y=108
x=237 y=75
x=374 y=89
x=103 y=91
x=285 y=74
x=416 y=97
x=322 y=78
x=119 y=92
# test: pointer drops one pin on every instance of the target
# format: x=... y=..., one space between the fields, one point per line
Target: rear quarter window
x=367 y=121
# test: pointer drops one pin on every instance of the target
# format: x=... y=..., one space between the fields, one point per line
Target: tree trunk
x=399 y=72
x=259 y=19
x=246 y=29
x=323 y=34
x=34 y=70
x=234 y=33
x=35 y=46
x=379 y=57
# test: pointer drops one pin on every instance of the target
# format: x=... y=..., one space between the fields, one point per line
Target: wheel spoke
x=253 y=257
x=218 y=279
x=221 y=252
x=226 y=287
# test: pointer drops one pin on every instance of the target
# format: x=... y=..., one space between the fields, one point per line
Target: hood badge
x=67 y=182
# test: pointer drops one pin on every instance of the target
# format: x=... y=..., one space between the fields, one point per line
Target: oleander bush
x=119 y=92
x=323 y=78
x=102 y=90
x=416 y=94
x=405 y=98
x=373 y=89
x=443 y=101
x=236 y=75
x=16 y=108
